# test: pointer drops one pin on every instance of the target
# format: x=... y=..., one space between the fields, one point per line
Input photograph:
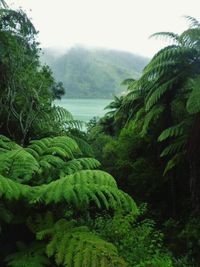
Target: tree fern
x=77 y=247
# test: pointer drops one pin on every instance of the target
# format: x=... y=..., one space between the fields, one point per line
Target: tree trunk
x=195 y=184
x=194 y=164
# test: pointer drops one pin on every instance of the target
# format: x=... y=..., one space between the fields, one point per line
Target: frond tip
x=168 y=36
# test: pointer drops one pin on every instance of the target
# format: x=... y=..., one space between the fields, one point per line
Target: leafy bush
x=137 y=241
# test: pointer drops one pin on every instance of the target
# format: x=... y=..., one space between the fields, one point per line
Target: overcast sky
x=118 y=24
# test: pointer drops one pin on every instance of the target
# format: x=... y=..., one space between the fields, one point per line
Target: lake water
x=84 y=109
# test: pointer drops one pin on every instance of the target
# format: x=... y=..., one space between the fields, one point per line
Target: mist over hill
x=93 y=73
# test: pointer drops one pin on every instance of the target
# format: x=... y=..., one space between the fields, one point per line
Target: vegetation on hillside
x=150 y=141
x=90 y=73
x=56 y=208
x=59 y=205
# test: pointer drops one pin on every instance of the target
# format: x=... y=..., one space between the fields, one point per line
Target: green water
x=84 y=109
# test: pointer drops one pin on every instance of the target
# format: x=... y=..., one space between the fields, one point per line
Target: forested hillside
x=93 y=73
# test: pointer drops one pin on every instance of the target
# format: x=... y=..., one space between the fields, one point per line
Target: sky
x=117 y=24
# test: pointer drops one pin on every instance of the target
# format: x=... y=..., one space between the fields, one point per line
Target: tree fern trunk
x=167 y=122
x=195 y=185
x=194 y=164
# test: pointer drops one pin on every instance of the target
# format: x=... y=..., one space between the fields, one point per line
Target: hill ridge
x=93 y=73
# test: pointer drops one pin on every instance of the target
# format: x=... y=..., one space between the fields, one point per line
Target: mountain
x=93 y=73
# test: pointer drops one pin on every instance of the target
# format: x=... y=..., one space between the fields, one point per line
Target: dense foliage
x=150 y=141
x=56 y=208
x=59 y=205
x=90 y=73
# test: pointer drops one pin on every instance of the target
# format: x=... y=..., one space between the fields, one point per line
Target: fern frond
x=191 y=39
x=64 y=118
x=61 y=114
x=49 y=161
x=50 y=168
x=31 y=256
x=158 y=93
x=168 y=36
x=84 y=147
x=18 y=165
x=158 y=69
x=75 y=165
x=77 y=247
x=173 y=162
x=85 y=187
x=56 y=117
x=74 y=124
x=173 y=131
x=3 y=4
x=171 y=55
x=150 y=118
x=6 y=144
x=40 y=221
x=175 y=147
x=192 y=21
x=139 y=116
x=11 y=190
x=166 y=54
x=130 y=83
x=61 y=146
